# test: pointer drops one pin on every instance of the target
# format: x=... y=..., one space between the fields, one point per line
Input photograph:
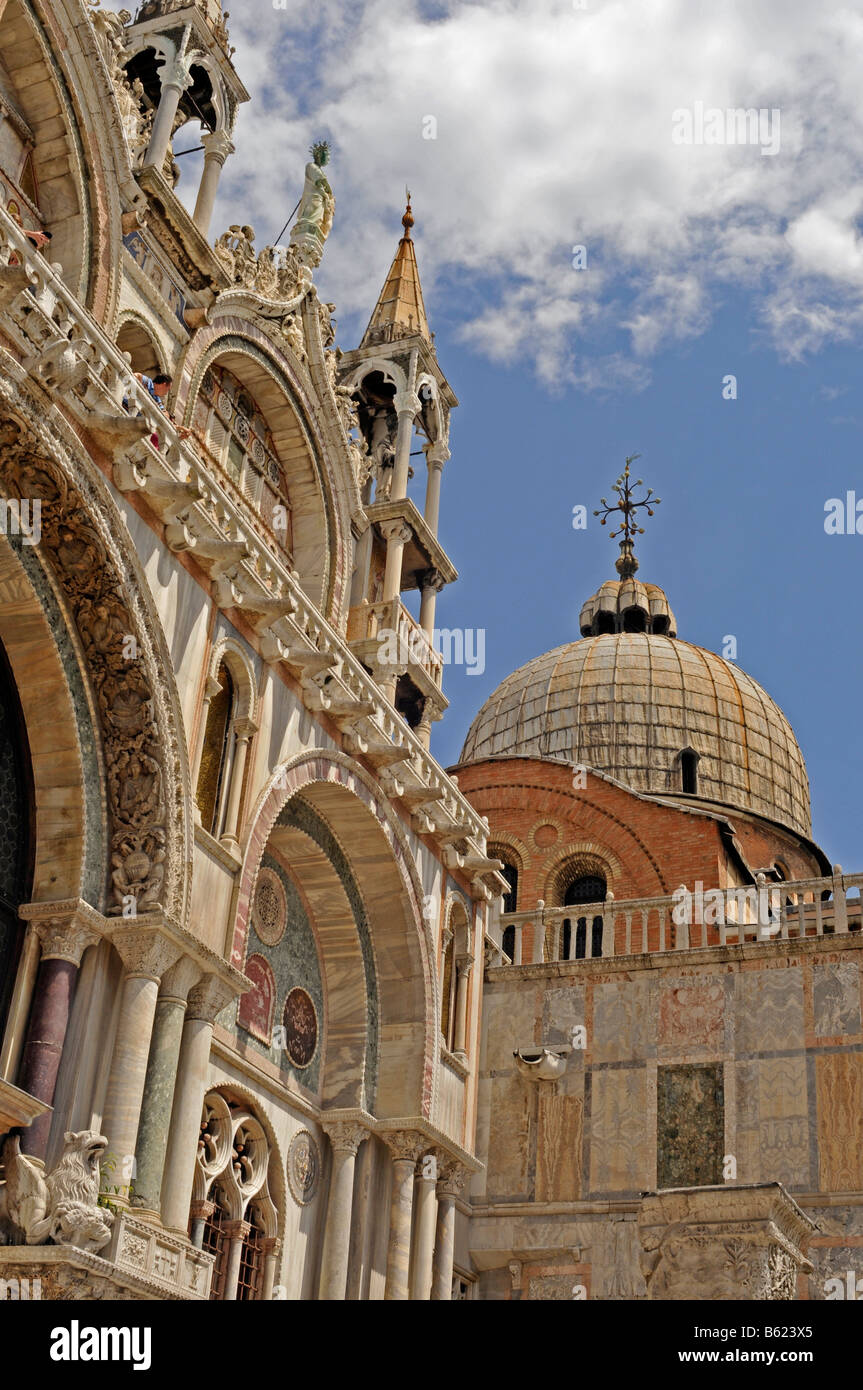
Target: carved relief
x=304 y=1168
x=134 y=746
x=62 y=1207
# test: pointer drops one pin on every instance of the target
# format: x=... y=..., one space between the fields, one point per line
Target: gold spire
x=400 y=311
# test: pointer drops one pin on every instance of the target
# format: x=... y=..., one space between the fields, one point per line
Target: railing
x=392 y=622
x=685 y=920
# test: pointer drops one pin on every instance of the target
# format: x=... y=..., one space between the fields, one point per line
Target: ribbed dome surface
x=627 y=704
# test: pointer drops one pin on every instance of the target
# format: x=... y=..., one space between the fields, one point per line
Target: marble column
x=147 y=955
x=19 y=1008
x=436 y=458
x=362 y=560
x=243 y=731
x=408 y=406
x=272 y=1249
x=64 y=934
x=160 y=1082
x=345 y=1140
x=217 y=147
x=396 y=533
x=431 y=584
x=424 y=1230
x=200 y=1213
x=449 y=1189
x=206 y=1000
x=405 y=1147
x=463 y=965
x=235 y=1232
x=176 y=79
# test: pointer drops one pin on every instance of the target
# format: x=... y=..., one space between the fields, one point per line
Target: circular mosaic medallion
x=225 y=406
x=259 y=453
x=301 y=1027
x=269 y=908
x=304 y=1168
x=241 y=428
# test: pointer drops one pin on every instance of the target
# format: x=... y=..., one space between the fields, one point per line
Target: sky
x=527 y=129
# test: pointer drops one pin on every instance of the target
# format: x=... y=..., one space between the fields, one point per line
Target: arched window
x=251 y=1260
x=134 y=339
x=232 y=1181
x=510 y=899
x=16 y=801
x=689 y=772
x=231 y=428
x=216 y=1243
x=448 y=986
x=587 y=888
x=216 y=752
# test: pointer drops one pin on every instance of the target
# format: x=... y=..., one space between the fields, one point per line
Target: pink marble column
x=64 y=934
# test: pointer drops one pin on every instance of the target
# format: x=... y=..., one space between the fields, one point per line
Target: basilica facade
x=287 y=1010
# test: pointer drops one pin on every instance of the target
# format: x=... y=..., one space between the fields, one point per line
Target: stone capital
x=245 y=728
x=396 y=530
x=344 y=1136
x=407 y=403
x=432 y=579
x=452 y=1177
x=217 y=146
x=209 y=998
x=464 y=965
x=271 y=1245
x=237 y=1230
x=405 y=1145
x=145 y=952
x=202 y=1211
x=179 y=979
x=65 y=929
x=438 y=455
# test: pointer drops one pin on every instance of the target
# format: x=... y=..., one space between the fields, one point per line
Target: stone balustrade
x=697 y=919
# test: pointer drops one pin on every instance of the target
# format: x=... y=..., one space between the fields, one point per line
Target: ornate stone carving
x=745 y=1242
x=269 y=907
x=304 y=1168
x=405 y=1145
x=62 y=1207
x=209 y=998
x=453 y=1177
x=134 y=747
x=144 y=951
x=344 y=1136
x=275 y=273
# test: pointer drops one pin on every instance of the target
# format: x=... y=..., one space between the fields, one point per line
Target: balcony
x=754 y=913
x=386 y=638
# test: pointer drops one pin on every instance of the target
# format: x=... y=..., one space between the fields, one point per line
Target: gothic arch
x=125 y=656
x=236 y=658
x=347 y=799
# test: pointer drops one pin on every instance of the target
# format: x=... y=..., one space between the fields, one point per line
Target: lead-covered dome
x=656 y=713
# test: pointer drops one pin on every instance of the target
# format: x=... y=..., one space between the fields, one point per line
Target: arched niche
x=345 y=799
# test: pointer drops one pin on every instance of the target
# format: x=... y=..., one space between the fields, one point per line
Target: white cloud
x=554 y=128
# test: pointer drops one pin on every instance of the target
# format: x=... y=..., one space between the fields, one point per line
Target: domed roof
x=629 y=703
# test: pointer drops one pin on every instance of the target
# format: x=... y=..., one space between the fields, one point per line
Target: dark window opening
x=409 y=703
x=508 y=942
x=215 y=1242
x=16 y=837
x=689 y=772
x=660 y=624
x=251 y=1262
x=588 y=888
x=635 y=620
x=604 y=623
x=580 y=952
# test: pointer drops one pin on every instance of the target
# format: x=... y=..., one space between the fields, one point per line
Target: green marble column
x=160 y=1083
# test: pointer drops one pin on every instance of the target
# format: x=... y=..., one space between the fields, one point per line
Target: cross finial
x=627 y=504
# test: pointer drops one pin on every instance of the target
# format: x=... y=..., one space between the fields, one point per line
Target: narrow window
x=215 y=754
x=216 y=1243
x=689 y=772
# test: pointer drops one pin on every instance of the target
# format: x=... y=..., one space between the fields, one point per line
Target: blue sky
x=554 y=128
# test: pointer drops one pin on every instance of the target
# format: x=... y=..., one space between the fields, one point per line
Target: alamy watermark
x=21 y=518
x=728 y=907
x=458 y=646
x=735 y=125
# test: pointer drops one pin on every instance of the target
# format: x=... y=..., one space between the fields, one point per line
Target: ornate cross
x=628 y=505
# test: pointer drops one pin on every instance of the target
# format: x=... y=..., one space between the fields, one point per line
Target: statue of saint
x=317 y=206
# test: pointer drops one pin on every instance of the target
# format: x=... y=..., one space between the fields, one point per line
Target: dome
x=631 y=703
